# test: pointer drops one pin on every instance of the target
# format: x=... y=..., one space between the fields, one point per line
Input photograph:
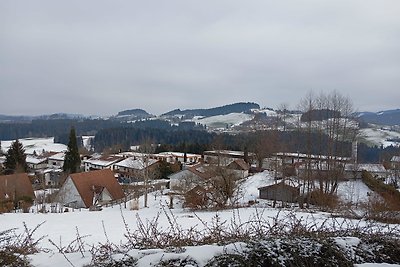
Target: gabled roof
x=15 y=185
x=35 y=160
x=281 y=185
x=240 y=164
x=87 y=182
x=201 y=171
x=138 y=164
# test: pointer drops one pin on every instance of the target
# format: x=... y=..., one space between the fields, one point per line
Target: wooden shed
x=280 y=192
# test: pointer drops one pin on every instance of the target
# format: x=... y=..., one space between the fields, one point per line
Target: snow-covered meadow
x=111 y=225
x=37 y=145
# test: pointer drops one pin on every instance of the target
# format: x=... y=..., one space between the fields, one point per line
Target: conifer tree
x=72 y=159
x=16 y=158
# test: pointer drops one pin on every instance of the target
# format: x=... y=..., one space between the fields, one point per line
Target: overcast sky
x=101 y=57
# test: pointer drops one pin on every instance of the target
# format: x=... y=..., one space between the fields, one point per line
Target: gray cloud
x=99 y=57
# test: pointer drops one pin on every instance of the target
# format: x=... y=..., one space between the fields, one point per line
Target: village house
x=173 y=157
x=136 y=169
x=298 y=158
x=395 y=162
x=87 y=189
x=223 y=156
x=345 y=171
x=189 y=178
x=199 y=174
x=239 y=167
x=36 y=162
x=355 y=170
x=100 y=162
x=56 y=161
x=15 y=186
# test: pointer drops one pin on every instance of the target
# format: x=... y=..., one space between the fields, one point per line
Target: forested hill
x=223 y=110
x=388 y=117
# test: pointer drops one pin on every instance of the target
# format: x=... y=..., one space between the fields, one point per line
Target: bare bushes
x=14 y=248
x=283 y=240
x=384 y=205
x=326 y=201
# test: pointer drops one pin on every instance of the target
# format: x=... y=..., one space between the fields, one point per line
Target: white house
x=36 y=162
x=85 y=189
x=189 y=178
x=100 y=162
x=56 y=161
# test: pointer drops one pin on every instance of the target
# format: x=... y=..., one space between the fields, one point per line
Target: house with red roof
x=87 y=189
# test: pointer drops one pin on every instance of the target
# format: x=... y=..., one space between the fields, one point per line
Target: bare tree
x=146 y=148
x=224 y=186
x=283 y=114
x=329 y=125
x=265 y=144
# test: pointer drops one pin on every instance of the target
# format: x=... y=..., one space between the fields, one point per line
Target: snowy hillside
x=223 y=121
x=380 y=137
x=36 y=144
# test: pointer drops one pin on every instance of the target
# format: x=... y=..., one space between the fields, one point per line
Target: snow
x=254 y=182
x=221 y=121
x=134 y=163
x=379 y=137
x=268 y=112
x=58 y=156
x=36 y=144
x=109 y=225
x=87 y=140
x=354 y=191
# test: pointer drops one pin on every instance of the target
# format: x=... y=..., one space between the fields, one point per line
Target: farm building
x=280 y=192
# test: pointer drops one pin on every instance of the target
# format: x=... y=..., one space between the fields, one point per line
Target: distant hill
x=55 y=116
x=134 y=112
x=61 y=116
x=10 y=118
x=387 y=117
x=132 y=115
x=223 y=110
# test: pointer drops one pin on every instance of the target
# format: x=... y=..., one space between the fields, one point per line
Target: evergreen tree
x=16 y=158
x=72 y=159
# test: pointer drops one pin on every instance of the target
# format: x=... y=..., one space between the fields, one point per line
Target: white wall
x=68 y=193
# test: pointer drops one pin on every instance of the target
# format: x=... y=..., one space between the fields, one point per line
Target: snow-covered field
x=108 y=225
x=221 y=121
x=378 y=137
x=36 y=144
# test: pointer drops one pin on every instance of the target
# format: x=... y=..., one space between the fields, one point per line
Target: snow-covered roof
x=131 y=154
x=34 y=160
x=315 y=157
x=58 y=156
x=103 y=161
x=138 y=164
x=178 y=154
x=374 y=168
x=395 y=159
x=36 y=144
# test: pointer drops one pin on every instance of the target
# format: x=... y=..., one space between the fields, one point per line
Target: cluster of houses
x=102 y=175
